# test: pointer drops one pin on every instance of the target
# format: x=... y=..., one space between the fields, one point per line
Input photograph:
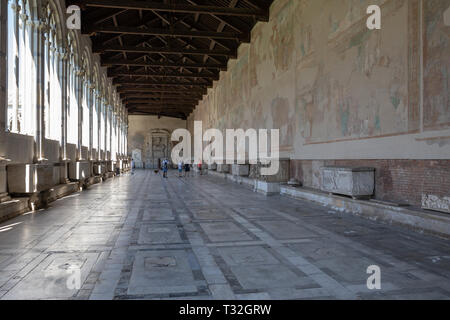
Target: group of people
x=182 y=167
x=186 y=167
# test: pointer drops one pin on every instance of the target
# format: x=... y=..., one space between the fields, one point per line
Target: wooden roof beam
x=260 y=15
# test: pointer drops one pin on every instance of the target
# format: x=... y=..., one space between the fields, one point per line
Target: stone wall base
x=436 y=203
x=263 y=187
x=42 y=199
x=395 y=180
x=14 y=208
x=4 y=197
x=418 y=220
x=92 y=180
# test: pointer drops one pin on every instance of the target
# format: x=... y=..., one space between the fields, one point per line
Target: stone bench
x=356 y=182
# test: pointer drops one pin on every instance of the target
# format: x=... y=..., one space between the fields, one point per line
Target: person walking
x=165 y=168
x=187 y=169
x=132 y=166
x=180 y=169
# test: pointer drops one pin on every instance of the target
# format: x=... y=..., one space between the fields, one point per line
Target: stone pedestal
x=436 y=203
x=30 y=178
x=350 y=181
x=241 y=170
x=267 y=188
x=110 y=165
x=79 y=171
x=99 y=168
x=281 y=176
x=223 y=168
x=119 y=164
x=61 y=174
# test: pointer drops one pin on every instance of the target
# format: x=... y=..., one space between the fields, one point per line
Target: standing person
x=132 y=166
x=200 y=168
x=187 y=169
x=180 y=169
x=165 y=168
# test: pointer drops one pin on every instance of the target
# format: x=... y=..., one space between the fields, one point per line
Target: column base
x=4 y=197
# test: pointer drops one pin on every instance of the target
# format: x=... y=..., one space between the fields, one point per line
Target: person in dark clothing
x=187 y=169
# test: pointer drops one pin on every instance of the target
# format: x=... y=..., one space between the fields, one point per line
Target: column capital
x=24 y=17
x=16 y=7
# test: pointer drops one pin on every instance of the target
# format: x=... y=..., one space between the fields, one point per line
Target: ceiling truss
x=163 y=55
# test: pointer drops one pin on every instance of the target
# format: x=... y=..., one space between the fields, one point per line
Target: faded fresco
x=317 y=73
x=436 y=66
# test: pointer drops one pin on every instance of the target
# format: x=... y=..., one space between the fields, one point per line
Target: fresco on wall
x=436 y=65
x=351 y=83
x=317 y=73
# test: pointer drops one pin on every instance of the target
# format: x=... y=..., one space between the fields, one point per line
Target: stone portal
x=158 y=148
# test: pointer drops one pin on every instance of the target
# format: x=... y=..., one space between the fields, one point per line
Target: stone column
x=110 y=132
x=80 y=73
x=3 y=182
x=3 y=101
x=105 y=137
x=99 y=128
x=3 y=72
x=39 y=132
x=125 y=134
x=119 y=128
x=63 y=56
x=16 y=87
x=91 y=121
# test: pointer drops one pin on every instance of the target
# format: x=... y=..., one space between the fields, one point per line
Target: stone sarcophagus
x=269 y=176
x=212 y=166
x=30 y=178
x=241 y=170
x=223 y=168
x=351 y=181
x=79 y=171
x=436 y=203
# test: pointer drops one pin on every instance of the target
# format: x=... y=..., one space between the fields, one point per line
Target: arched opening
x=21 y=67
x=86 y=103
x=53 y=76
x=73 y=74
x=95 y=113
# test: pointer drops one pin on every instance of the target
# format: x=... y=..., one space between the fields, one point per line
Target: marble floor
x=144 y=237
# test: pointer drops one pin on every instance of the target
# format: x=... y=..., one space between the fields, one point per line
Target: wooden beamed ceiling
x=164 y=54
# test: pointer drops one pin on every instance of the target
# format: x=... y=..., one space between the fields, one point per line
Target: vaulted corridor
x=144 y=237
